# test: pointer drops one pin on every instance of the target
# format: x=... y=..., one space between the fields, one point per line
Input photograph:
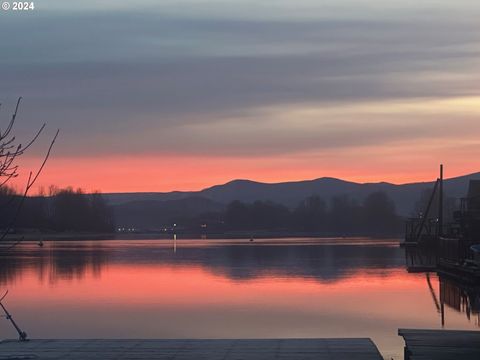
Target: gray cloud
x=127 y=82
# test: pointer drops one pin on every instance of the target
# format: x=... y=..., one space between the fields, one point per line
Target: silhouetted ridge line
x=291 y=193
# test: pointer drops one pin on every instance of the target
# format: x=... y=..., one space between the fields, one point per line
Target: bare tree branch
x=9 y=152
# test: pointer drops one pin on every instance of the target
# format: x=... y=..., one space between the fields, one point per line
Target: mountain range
x=148 y=208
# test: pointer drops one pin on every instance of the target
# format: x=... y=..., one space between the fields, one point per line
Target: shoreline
x=71 y=236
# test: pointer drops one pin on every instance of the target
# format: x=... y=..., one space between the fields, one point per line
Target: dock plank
x=232 y=349
x=441 y=344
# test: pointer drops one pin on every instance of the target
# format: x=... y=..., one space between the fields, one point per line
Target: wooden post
x=440 y=203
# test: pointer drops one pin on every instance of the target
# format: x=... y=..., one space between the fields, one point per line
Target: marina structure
x=451 y=248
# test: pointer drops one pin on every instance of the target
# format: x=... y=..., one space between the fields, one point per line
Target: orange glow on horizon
x=393 y=141
x=169 y=173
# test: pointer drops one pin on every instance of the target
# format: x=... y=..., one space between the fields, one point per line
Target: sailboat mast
x=440 y=203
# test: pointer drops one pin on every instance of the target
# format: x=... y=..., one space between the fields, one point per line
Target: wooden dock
x=441 y=344
x=291 y=349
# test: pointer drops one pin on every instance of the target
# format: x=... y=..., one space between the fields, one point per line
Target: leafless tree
x=10 y=151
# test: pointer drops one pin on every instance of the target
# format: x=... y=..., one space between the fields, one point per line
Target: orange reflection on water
x=177 y=285
x=127 y=296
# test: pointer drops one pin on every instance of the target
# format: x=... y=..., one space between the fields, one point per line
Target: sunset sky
x=183 y=94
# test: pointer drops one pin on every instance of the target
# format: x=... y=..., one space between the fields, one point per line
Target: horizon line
x=286 y=182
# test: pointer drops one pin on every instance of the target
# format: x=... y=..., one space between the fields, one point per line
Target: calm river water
x=225 y=289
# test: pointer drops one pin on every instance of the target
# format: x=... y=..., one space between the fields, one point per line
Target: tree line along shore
x=72 y=212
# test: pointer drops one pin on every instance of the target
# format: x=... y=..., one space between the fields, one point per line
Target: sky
x=185 y=94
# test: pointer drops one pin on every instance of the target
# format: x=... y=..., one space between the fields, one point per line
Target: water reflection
x=461 y=296
x=55 y=261
x=464 y=298
x=225 y=288
x=235 y=260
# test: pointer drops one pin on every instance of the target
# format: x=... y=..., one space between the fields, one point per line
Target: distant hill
x=146 y=208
